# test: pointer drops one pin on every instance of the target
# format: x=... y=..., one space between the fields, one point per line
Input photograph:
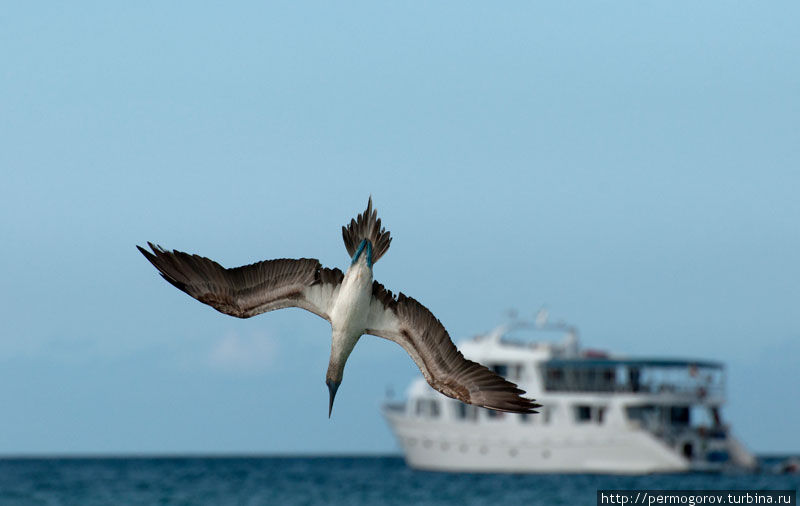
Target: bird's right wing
x=411 y=325
x=251 y=289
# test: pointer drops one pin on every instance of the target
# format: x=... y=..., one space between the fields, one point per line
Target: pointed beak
x=333 y=386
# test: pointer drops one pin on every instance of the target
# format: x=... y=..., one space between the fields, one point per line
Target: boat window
x=500 y=369
x=494 y=415
x=586 y=413
x=634 y=378
x=701 y=416
x=465 y=411
x=642 y=413
x=427 y=407
x=583 y=413
x=555 y=374
x=509 y=371
x=679 y=415
x=587 y=379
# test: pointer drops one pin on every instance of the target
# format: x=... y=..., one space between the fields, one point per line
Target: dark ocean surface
x=290 y=481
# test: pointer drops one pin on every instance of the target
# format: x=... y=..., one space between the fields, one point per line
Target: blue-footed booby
x=352 y=302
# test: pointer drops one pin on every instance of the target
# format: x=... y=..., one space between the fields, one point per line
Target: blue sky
x=632 y=165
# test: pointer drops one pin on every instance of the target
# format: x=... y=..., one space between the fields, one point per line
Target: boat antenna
x=541 y=317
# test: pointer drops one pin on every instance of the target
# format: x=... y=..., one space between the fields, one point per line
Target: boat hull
x=502 y=447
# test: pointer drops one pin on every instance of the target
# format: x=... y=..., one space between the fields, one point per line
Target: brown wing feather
x=410 y=324
x=248 y=290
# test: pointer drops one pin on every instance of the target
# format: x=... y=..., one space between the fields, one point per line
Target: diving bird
x=352 y=302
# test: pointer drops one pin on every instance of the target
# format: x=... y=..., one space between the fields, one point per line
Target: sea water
x=291 y=481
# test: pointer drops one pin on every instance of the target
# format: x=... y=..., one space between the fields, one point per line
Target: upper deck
x=543 y=367
x=658 y=376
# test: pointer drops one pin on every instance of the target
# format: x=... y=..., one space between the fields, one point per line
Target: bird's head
x=341 y=347
x=333 y=386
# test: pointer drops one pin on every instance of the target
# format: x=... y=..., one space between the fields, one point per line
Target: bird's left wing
x=411 y=325
x=251 y=289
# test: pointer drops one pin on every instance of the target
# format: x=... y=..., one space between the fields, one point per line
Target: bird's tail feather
x=367 y=226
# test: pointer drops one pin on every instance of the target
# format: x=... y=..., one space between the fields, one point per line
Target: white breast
x=350 y=311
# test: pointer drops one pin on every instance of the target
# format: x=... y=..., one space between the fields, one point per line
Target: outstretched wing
x=411 y=325
x=251 y=289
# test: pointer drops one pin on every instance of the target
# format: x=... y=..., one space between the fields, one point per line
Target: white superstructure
x=600 y=413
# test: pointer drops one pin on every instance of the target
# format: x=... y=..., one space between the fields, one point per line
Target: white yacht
x=600 y=413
